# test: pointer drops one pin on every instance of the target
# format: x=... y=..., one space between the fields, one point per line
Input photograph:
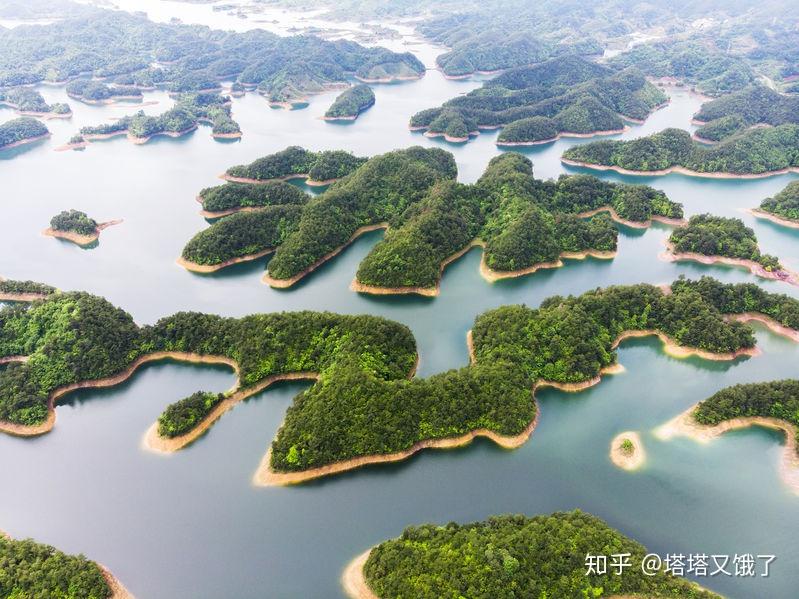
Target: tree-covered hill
x=738 y=111
x=30 y=102
x=132 y=50
x=572 y=94
x=516 y=556
x=757 y=151
x=295 y=161
x=785 y=204
x=21 y=130
x=29 y=569
x=351 y=103
x=521 y=221
x=363 y=361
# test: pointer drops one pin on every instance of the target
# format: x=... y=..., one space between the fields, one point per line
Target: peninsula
x=714 y=239
x=522 y=223
x=362 y=364
x=503 y=557
x=29 y=102
x=317 y=168
x=77 y=227
x=753 y=153
x=89 y=91
x=37 y=570
x=229 y=198
x=773 y=405
x=783 y=208
x=351 y=103
x=566 y=96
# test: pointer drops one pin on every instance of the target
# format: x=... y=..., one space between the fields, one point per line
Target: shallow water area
x=192 y=525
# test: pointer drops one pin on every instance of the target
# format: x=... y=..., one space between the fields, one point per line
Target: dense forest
x=231 y=196
x=719 y=236
x=776 y=399
x=572 y=94
x=11 y=286
x=74 y=221
x=97 y=92
x=129 y=49
x=182 y=416
x=295 y=161
x=736 y=112
x=711 y=71
x=516 y=556
x=755 y=151
x=363 y=361
x=189 y=110
x=785 y=204
x=19 y=130
x=351 y=102
x=33 y=570
x=28 y=101
x=522 y=221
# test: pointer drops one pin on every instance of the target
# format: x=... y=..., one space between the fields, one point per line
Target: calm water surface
x=191 y=524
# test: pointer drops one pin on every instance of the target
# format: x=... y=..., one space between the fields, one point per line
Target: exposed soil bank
x=785 y=222
x=560 y=135
x=24 y=142
x=209 y=268
x=755 y=268
x=675 y=222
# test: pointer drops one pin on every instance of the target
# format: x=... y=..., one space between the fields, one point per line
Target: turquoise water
x=191 y=524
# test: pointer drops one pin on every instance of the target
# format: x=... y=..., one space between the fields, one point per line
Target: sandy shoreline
x=560 y=135
x=755 y=268
x=785 y=222
x=354 y=581
x=174 y=134
x=285 y=178
x=236 y=135
x=672 y=348
x=284 y=283
x=21 y=297
x=675 y=222
x=449 y=138
x=684 y=425
x=79 y=238
x=209 y=268
x=627 y=461
x=679 y=170
x=118 y=590
x=10 y=359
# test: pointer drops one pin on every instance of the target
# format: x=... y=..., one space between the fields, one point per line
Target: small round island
x=627 y=451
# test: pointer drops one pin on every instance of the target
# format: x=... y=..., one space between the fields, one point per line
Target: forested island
x=29 y=102
x=351 y=103
x=736 y=112
x=715 y=239
x=21 y=131
x=134 y=51
x=753 y=153
x=523 y=223
x=77 y=227
x=362 y=365
x=509 y=556
x=90 y=91
x=783 y=208
x=564 y=96
x=318 y=168
x=23 y=291
x=189 y=111
x=31 y=569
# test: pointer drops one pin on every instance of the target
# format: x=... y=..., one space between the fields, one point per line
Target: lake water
x=192 y=525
